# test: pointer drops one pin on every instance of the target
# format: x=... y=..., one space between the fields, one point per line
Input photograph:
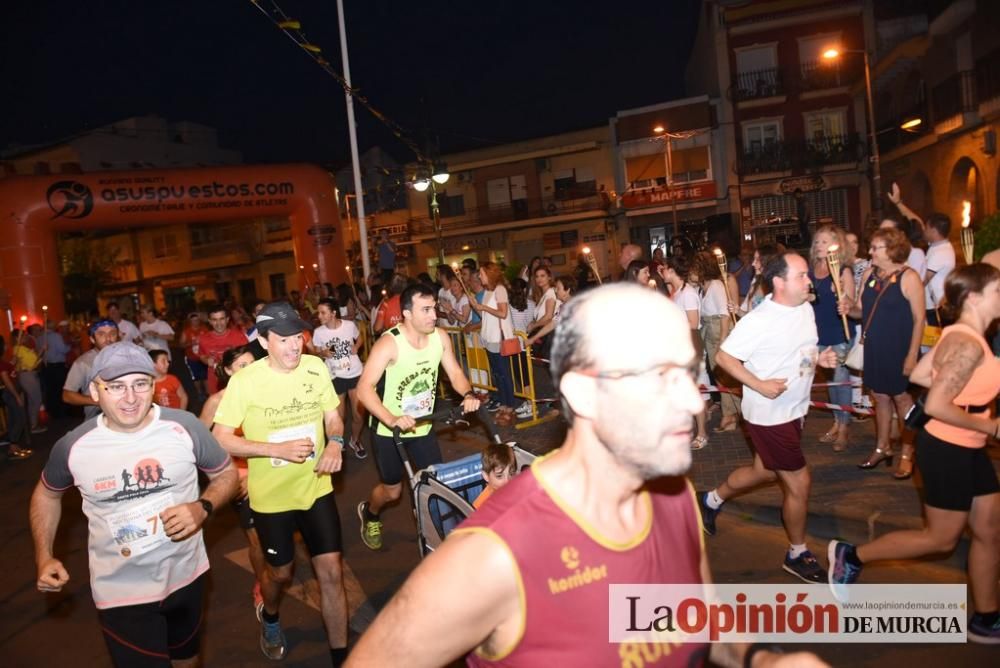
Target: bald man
x=630 y=253
x=605 y=504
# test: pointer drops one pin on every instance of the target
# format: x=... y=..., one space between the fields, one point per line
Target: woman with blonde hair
x=828 y=309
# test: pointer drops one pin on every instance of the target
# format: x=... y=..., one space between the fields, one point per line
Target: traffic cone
x=43 y=416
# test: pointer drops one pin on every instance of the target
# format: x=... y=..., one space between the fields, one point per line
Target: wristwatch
x=207 y=505
x=469 y=395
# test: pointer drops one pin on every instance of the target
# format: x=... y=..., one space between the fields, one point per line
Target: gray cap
x=282 y=319
x=120 y=359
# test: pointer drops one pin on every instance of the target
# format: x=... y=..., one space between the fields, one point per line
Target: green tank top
x=411 y=382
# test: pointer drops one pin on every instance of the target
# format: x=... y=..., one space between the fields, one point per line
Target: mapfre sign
x=664 y=195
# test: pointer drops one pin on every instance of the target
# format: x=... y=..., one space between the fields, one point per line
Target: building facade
x=943 y=70
x=791 y=119
x=547 y=197
x=671 y=175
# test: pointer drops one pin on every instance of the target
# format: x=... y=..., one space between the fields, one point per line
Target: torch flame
x=833 y=248
x=586 y=250
x=717 y=252
x=454 y=265
x=966 y=213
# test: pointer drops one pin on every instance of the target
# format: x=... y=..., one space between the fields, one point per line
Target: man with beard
x=406 y=359
x=607 y=502
x=777 y=374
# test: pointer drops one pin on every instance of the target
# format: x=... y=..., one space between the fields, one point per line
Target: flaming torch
x=720 y=258
x=458 y=275
x=592 y=263
x=968 y=236
x=833 y=262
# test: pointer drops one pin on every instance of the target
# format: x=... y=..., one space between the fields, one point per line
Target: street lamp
x=832 y=54
x=438 y=176
x=668 y=138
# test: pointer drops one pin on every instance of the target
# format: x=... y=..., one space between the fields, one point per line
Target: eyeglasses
x=141 y=386
x=669 y=372
x=873 y=247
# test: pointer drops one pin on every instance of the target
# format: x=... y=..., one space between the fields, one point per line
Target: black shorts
x=953 y=475
x=153 y=634
x=423 y=451
x=242 y=508
x=342 y=385
x=320 y=527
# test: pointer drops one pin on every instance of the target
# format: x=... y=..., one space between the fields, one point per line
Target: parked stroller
x=443 y=493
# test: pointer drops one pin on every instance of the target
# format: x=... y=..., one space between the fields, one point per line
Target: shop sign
x=664 y=195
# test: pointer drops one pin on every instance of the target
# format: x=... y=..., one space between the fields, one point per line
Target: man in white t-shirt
x=126 y=330
x=777 y=374
x=156 y=334
x=940 y=262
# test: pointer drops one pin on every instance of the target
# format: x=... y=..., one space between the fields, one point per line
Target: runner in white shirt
x=126 y=330
x=136 y=467
x=777 y=373
x=337 y=342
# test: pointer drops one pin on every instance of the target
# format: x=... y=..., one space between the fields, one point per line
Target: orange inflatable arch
x=36 y=208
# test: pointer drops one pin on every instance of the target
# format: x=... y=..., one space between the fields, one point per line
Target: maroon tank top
x=566 y=569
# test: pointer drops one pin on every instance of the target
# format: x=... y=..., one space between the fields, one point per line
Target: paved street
x=846 y=502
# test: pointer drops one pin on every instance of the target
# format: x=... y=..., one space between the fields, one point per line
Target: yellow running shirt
x=272 y=407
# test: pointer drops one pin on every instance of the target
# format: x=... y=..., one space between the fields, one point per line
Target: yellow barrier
x=471 y=354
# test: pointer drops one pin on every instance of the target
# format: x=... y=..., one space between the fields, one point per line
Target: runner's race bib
x=291 y=434
x=139 y=529
x=420 y=404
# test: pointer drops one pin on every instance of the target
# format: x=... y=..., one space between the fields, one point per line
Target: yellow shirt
x=272 y=407
x=25 y=359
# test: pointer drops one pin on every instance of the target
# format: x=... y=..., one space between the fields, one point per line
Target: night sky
x=467 y=74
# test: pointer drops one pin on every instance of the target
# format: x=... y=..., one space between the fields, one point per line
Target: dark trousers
x=16 y=419
x=53 y=375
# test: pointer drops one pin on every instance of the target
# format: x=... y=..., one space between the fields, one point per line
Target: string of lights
x=293 y=30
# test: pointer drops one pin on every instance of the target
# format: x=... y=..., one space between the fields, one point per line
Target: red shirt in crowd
x=214 y=345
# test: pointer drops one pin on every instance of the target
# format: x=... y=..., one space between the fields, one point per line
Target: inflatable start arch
x=35 y=208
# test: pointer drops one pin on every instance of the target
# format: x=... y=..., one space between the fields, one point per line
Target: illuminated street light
x=911 y=124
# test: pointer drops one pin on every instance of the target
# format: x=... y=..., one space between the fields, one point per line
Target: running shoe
x=358 y=448
x=493 y=406
x=981 y=633
x=272 y=641
x=22 y=453
x=841 y=571
x=523 y=411
x=371 y=531
x=805 y=567
x=708 y=514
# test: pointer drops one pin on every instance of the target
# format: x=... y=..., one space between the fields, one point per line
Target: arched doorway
x=965 y=184
x=36 y=208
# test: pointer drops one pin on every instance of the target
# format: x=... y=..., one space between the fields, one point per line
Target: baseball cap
x=280 y=318
x=120 y=359
x=102 y=323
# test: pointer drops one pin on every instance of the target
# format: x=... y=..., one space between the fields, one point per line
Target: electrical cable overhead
x=292 y=29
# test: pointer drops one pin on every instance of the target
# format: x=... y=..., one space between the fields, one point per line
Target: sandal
x=830 y=436
x=876 y=458
x=905 y=470
x=730 y=424
x=699 y=442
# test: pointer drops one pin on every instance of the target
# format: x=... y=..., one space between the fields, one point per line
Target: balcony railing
x=758 y=84
x=822 y=74
x=954 y=95
x=783 y=156
x=522 y=209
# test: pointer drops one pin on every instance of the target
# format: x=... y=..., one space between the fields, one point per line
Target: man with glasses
x=136 y=467
x=216 y=341
x=611 y=506
x=777 y=374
